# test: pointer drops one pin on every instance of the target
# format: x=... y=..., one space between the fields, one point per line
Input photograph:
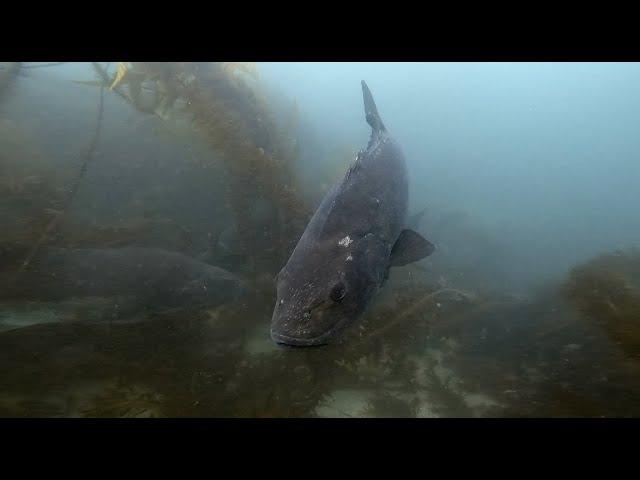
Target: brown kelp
x=607 y=290
x=228 y=107
x=225 y=103
x=238 y=123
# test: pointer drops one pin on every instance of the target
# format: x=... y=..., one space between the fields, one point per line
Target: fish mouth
x=322 y=339
x=281 y=339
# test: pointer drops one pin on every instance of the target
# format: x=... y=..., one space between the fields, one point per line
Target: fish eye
x=338 y=292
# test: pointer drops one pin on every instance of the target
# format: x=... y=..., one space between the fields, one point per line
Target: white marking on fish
x=345 y=241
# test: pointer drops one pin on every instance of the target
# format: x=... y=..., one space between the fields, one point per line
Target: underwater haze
x=543 y=154
x=146 y=209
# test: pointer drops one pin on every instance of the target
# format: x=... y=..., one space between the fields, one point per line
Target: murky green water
x=460 y=334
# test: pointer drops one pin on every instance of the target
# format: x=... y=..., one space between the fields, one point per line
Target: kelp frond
x=607 y=290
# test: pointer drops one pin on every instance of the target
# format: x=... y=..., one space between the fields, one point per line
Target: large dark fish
x=355 y=236
x=156 y=278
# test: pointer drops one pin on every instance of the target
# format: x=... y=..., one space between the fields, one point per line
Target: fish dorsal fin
x=415 y=220
x=371 y=111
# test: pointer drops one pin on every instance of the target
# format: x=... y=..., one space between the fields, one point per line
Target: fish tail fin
x=370 y=110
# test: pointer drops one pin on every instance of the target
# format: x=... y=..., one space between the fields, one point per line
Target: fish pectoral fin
x=410 y=247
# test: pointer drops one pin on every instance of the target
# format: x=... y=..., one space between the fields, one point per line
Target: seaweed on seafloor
x=607 y=290
x=393 y=329
x=404 y=318
x=377 y=354
x=190 y=367
x=559 y=401
x=387 y=351
x=236 y=385
x=448 y=401
x=418 y=305
x=16 y=406
x=389 y=406
x=124 y=401
x=216 y=377
x=284 y=389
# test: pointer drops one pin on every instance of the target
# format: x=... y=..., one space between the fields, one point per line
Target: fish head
x=325 y=290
